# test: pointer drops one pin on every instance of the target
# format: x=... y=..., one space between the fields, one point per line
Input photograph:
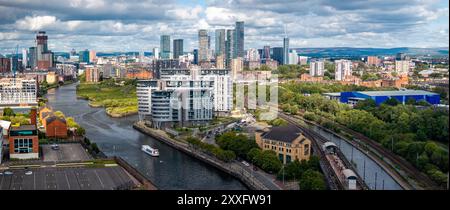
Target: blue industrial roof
x=397 y=93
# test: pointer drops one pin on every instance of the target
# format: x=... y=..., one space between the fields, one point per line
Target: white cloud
x=35 y=22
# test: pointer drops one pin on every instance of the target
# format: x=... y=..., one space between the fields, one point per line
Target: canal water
x=372 y=173
x=172 y=170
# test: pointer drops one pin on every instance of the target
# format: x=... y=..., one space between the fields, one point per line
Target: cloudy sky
x=135 y=25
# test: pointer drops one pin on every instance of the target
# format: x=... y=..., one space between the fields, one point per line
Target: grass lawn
x=118 y=100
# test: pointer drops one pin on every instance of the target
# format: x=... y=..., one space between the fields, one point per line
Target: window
x=23 y=145
x=306 y=149
x=288 y=158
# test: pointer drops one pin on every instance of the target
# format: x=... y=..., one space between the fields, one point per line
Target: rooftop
x=23 y=128
x=283 y=133
x=397 y=93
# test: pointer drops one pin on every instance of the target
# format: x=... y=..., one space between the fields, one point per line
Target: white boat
x=149 y=150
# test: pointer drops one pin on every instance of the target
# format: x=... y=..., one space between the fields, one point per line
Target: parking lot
x=66 y=152
x=107 y=178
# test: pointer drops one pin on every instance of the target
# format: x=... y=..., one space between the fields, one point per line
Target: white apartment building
x=293 y=57
x=343 y=68
x=18 y=92
x=316 y=68
x=144 y=94
x=223 y=88
x=182 y=102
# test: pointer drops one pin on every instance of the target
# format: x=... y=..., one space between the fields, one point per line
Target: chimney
x=33 y=113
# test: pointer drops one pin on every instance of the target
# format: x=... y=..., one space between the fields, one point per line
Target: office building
x=18 y=92
x=343 y=68
x=44 y=56
x=23 y=142
x=266 y=53
x=84 y=56
x=165 y=47
x=195 y=52
x=156 y=53
x=402 y=66
x=285 y=50
x=278 y=54
x=316 y=68
x=288 y=142
x=32 y=58
x=229 y=47
x=24 y=58
x=220 y=42
x=239 y=37
x=41 y=44
x=5 y=65
x=177 y=48
x=203 y=45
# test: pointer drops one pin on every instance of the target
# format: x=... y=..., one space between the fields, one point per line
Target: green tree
x=367 y=105
x=8 y=112
x=391 y=102
x=312 y=180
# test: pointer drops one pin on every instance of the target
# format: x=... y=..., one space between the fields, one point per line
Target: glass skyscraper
x=229 y=47
x=285 y=50
x=239 y=43
x=220 y=42
x=177 y=48
x=277 y=54
x=203 y=45
x=165 y=46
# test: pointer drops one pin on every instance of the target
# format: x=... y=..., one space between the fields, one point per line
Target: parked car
x=8 y=173
x=245 y=163
x=55 y=147
x=28 y=173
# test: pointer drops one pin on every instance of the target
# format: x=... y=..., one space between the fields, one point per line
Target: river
x=172 y=170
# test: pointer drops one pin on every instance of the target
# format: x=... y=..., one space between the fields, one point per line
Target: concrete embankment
x=232 y=168
x=147 y=184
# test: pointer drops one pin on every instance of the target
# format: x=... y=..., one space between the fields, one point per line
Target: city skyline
x=133 y=26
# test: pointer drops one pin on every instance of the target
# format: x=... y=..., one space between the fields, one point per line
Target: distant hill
x=361 y=52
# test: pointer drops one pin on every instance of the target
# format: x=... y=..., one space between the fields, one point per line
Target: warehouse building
x=381 y=96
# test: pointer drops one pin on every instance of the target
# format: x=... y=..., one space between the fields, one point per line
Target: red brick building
x=23 y=142
x=5 y=65
x=55 y=127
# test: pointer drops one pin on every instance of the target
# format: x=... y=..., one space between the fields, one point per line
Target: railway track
x=404 y=165
x=318 y=141
x=396 y=160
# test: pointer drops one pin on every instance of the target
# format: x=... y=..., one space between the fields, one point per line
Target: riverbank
x=118 y=98
x=233 y=168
